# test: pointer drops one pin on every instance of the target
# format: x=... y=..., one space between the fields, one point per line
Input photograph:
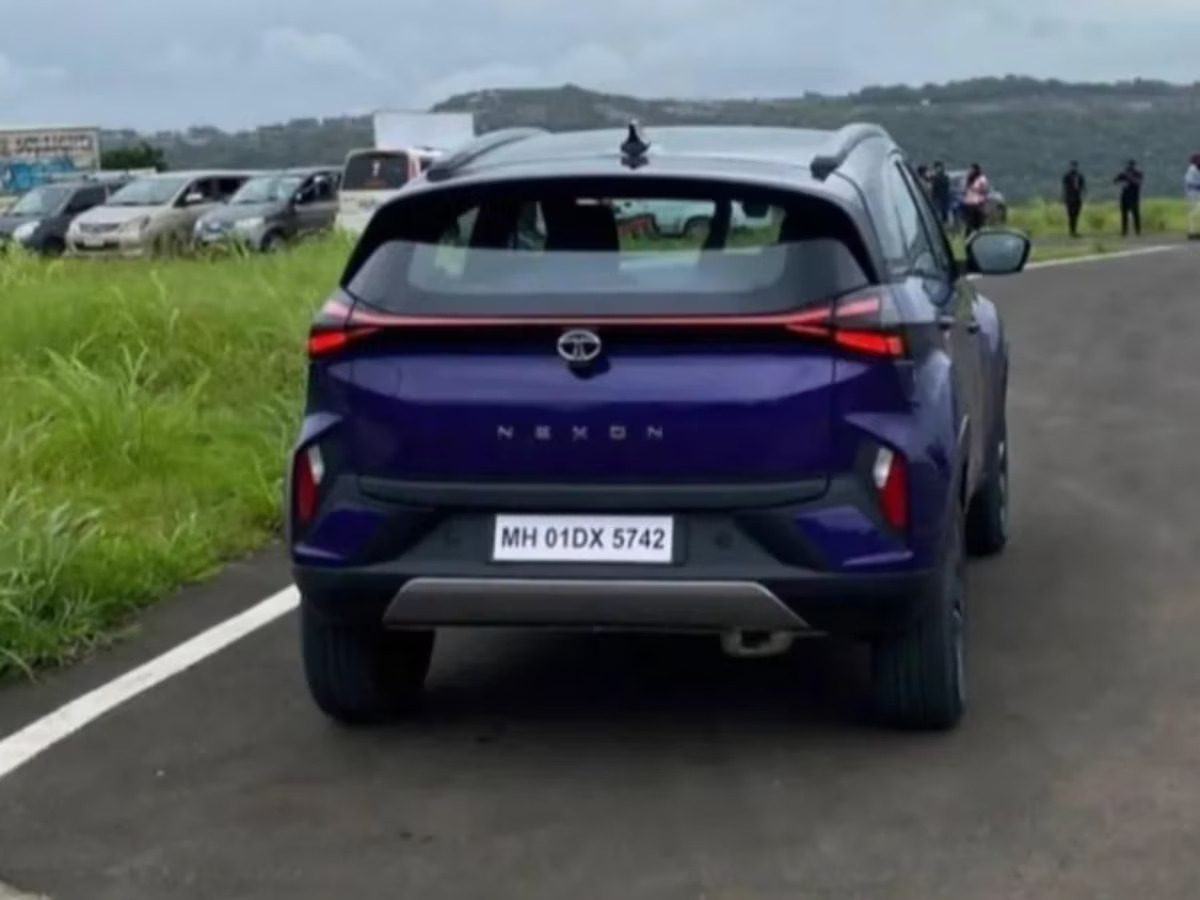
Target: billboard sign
x=32 y=156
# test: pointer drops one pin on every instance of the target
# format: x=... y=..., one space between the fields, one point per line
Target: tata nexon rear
x=527 y=409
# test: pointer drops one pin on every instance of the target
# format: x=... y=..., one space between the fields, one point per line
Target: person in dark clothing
x=1074 y=187
x=975 y=199
x=1131 y=179
x=939 y=191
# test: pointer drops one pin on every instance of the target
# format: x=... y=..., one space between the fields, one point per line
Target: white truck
x=406 y=143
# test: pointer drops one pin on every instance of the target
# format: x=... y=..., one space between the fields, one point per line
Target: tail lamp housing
x=890 y=477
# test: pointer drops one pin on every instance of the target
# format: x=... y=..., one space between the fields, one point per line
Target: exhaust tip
x=757 y=644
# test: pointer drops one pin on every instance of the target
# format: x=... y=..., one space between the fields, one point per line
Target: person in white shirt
x=1191 y=188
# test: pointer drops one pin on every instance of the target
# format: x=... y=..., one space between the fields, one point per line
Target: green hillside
x=1023 y=130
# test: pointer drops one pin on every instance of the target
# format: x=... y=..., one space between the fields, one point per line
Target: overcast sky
x=234 y=63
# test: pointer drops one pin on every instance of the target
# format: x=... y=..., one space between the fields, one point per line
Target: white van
x=373 y=177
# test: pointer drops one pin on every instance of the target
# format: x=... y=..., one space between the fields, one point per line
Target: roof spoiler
x=449 y=166
x=842 y=143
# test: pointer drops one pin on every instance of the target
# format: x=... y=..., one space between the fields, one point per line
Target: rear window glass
x=376 y=172
x=605 y=249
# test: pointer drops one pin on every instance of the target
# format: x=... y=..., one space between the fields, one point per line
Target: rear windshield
x=621 y=248
x=384 y=171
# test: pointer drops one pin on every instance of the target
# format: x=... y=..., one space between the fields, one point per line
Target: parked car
x=153 y=214
x=371 y=178
x=687 y=219
x=274 y=209
x=996 y=212
x=803 y=436
x=39 y=220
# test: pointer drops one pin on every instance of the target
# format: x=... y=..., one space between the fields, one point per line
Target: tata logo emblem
x=580 y=347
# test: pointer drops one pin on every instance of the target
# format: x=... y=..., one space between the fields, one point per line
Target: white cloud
x=150 y=63
x=16 y=78
x=288 y=46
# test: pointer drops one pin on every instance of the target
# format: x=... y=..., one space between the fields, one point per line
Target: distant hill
x=1022 y=130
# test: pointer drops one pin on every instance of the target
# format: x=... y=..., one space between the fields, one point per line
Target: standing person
x=923 y=178
x=1074 y=187
x=975 y=199
x=1191 y=188
x=939 y=191
x=1131 y=179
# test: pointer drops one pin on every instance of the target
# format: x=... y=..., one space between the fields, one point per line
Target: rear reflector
x=306 y=482
x=891 y=481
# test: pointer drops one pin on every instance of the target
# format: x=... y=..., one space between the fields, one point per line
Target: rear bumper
x=109 y=246
x=854 y=606
x=796 y=558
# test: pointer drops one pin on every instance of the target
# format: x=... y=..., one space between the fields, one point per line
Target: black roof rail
x=448 y=166
x=843 y=142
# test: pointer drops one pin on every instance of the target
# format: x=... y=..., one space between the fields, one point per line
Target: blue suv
x=521 y=414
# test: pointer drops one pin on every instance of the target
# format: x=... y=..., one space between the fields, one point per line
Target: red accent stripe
x=359 y=316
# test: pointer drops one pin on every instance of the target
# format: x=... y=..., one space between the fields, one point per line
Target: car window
x=555 y=248
x=320 y=190
x=910 y=251
x=934 y=232
x=227 y=187
x=84 y=199
x=92 y=196
x=376 y=171
x=205 y=187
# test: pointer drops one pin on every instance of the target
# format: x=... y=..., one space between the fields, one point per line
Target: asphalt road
x=551 y=767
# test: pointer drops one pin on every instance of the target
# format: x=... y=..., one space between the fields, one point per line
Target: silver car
x=154 y=214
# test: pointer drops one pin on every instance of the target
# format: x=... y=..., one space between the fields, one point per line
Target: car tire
x=53 y=247
x=988 y=516
x=361 y=675
x=919 y=675
x=272 y=243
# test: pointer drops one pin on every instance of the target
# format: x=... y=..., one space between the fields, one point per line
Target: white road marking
x=1099 y=257
x=8 y=893
x=19 y=748
x=33 y=740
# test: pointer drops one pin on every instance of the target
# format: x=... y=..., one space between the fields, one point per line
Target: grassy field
x=147 y=411
x=1041 y=219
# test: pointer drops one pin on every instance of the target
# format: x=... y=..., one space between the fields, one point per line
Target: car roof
x=781 y=154
x=202 y=173
x=295 y=170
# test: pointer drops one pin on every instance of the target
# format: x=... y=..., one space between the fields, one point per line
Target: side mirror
x=756 y=210
x=193 y=198
x=998 y=252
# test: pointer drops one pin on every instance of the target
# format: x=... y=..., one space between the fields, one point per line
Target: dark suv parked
x=40 y=219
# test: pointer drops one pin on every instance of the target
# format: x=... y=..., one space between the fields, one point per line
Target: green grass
x=147 y=410
x=1042 y=219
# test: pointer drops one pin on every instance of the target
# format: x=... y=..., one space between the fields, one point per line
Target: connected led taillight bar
x=852 y=324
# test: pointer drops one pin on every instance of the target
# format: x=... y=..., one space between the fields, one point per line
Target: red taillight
x=891 y=481
x=875 y=343
x=324 y=343
x=306 y=482
x=850 y=324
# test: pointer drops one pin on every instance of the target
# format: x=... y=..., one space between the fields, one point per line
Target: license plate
x=595 y=539
x=95 y=242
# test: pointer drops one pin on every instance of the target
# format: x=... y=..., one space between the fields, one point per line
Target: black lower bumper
x=589 y=597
